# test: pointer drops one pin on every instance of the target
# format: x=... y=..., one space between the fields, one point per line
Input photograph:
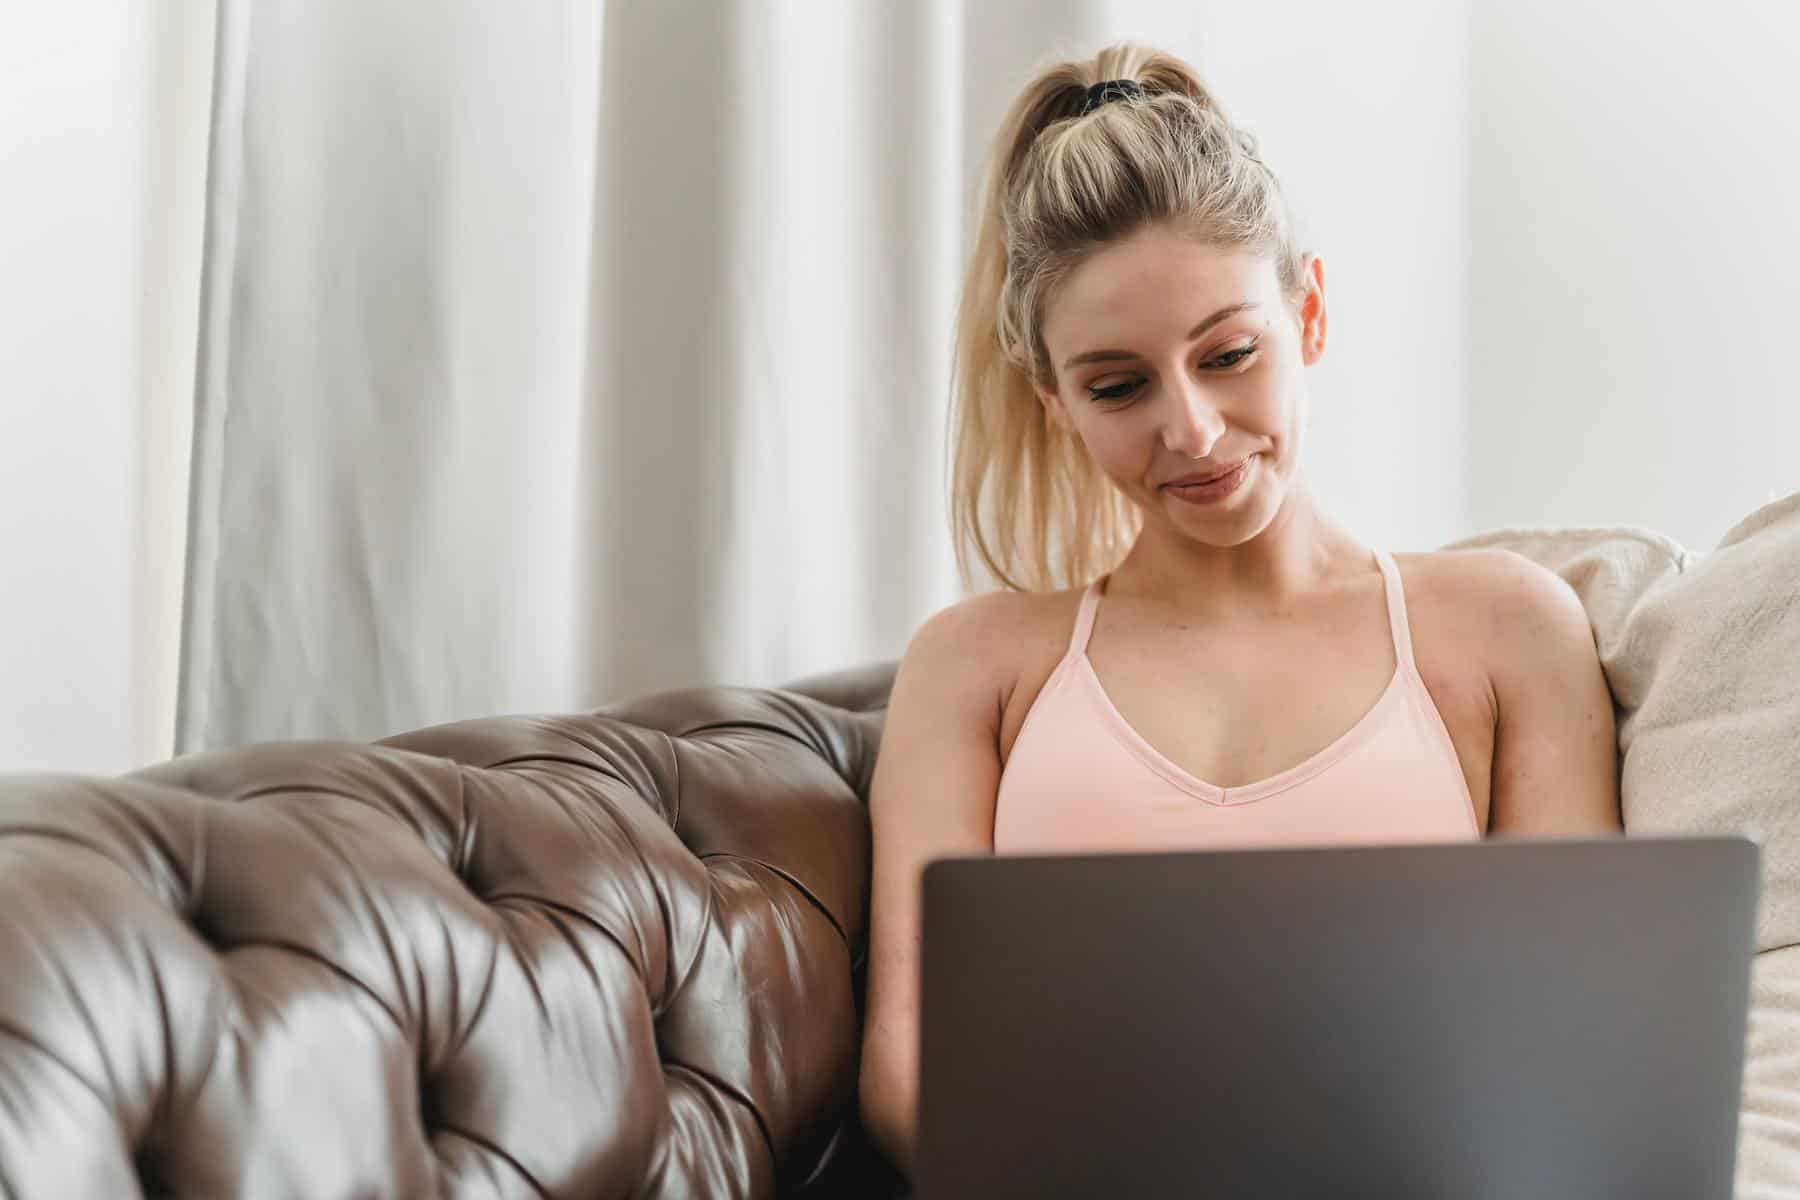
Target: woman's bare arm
x=932 y=794
x=1556 y=754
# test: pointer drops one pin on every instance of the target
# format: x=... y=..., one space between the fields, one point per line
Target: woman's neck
x=1298 y=555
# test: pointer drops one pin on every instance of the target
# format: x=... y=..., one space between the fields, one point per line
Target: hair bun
x=1111 y=89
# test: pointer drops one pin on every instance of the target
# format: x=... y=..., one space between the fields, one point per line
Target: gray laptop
x=1517 y=1018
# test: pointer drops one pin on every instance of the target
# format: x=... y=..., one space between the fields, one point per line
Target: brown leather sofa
x=611 y=954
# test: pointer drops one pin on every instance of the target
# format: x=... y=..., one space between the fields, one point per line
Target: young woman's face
x=1162 y=404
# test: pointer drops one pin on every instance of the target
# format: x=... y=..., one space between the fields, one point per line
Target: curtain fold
x=390 y=403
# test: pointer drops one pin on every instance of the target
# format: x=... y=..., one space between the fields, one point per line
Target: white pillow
x=1702 y=653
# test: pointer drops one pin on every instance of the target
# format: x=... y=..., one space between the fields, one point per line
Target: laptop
x=1513 y=1018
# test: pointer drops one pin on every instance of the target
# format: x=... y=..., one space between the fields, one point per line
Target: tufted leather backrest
x=611 y=954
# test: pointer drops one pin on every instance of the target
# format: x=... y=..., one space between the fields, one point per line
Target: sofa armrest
x=529 y=952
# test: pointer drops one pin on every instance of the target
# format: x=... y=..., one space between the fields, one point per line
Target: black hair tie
x=1112 y=89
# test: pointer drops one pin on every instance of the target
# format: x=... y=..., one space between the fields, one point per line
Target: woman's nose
x=1194 y=427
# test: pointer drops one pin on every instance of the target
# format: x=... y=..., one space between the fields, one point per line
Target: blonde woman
x=1188 y=650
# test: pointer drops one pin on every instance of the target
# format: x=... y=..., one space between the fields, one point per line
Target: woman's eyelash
x=1124 y=391
x=1120 y=391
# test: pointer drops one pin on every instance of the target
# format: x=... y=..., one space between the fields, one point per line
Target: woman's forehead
x=1134 y=285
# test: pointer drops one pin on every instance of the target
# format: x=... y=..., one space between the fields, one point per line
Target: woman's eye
x=1124 y=391
x=1233 y=357
x=1120 y=391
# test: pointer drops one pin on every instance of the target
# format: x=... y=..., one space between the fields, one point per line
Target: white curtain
x=387 y=466
x=554 y=353
x=103 y=120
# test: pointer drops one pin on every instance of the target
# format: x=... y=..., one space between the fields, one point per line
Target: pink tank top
x=1080 y=779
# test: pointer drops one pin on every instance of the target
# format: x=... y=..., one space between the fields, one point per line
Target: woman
x=1132 y=344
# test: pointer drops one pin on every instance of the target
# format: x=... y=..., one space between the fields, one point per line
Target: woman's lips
x=1214 y=489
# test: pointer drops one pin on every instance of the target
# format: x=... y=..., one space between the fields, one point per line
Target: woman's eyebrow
x=1088 y=356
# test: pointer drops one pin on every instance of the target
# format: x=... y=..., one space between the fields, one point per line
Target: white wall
x=102 y=158
x=1633 y=291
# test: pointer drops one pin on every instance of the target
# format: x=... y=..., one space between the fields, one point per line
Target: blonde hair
x=1058 y=186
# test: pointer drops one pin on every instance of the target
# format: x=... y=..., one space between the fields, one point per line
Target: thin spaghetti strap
x=1084 y=619
x=1396 y=606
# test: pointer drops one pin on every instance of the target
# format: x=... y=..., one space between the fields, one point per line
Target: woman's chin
x=1244 y=516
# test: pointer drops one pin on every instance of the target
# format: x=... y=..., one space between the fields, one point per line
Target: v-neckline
x=1244 y=793
x=1259 y=789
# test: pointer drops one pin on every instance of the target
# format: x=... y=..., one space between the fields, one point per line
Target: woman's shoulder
x=1491 y=597
x=1003 y=635
x=1488 y=575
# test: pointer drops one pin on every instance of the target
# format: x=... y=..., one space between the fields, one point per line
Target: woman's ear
x=1312 y=311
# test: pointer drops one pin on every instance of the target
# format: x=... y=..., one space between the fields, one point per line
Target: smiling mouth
x=1211 y=479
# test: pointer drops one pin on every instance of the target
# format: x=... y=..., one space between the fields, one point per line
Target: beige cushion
x=1769 y=1120
x=1702 y=652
